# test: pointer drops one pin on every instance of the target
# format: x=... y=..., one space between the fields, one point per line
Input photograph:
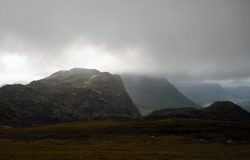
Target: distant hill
x=226 y=111
x=18 y=82
x=245 y=105
x=1 y=85
x=65 y=96
x=240 y=92
x=187 y=112
x=21 y=82
x=204 y=93
x=154 y=93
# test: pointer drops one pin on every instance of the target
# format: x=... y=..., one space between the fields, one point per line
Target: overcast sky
x=189 y=40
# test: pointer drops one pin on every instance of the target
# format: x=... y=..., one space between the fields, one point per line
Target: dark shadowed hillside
x=175 y=113
x=225 y=111
x=154 y=93
x=65 y=96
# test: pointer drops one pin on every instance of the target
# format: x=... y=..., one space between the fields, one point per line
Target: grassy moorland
x=123 y=139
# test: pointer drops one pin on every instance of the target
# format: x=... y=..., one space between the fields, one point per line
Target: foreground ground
x=123 y=139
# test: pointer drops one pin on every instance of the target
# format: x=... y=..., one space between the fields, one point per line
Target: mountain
x=1 y=85
x=204 y=93
x=154 y=93
x=240 y=92
x=65 y=96
x=225 y=110
x=18 y=82
x=21 y=82
x=187 y=112
x=245 y=105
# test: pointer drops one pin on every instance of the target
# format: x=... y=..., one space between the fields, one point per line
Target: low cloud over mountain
x=194 y=40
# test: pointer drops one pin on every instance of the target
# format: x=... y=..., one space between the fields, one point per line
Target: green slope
x=153 y=93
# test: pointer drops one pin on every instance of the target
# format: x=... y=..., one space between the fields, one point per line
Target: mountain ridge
x=222 y=110
x=65 y=96
x=152 y=93
x=204 y=93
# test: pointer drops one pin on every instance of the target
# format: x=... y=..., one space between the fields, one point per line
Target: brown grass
x=128 y=140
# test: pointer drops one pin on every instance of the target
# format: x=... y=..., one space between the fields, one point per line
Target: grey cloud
x=194 y=39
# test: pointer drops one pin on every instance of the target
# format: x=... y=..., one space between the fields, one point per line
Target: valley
x=85 y=114
x=124 y=80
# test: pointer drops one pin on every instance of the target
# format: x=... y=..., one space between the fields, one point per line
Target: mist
x=195 y=40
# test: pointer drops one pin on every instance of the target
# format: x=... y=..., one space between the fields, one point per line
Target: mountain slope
x=240 y=92
x=1 y=85
x=226 y=111
x=66 y=96
x=175 y=113
x=245 y=105
x=153 y=93
x=204 y=93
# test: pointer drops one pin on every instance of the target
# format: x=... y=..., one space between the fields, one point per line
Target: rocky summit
x=65 y=96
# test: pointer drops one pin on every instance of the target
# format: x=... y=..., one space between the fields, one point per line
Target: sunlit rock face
x=65 y=96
